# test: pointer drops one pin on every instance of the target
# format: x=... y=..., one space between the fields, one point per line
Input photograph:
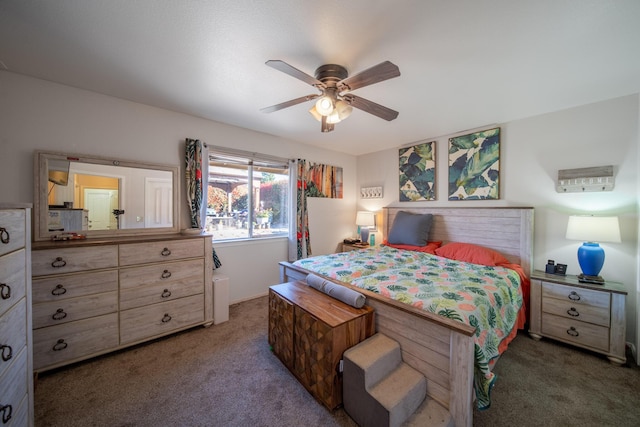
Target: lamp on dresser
x=364 y=220
x=592 y=230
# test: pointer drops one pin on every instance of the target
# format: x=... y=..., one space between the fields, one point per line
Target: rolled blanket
x=316 y=282
x=346 y=295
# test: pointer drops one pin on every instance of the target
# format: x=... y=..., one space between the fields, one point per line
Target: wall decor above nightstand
x=585 y=179
x=581 y=314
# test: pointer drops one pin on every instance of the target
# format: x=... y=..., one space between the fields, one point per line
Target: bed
x=441 y=348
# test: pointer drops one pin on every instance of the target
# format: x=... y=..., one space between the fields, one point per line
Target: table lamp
x=592 y=230
x=364 y=220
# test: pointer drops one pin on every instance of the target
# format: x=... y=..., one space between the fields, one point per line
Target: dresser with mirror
x=120 y=274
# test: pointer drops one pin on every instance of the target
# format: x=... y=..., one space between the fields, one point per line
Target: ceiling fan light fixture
x=314 y=112
x=324 y=105
x=343 y=109
x=334 y=117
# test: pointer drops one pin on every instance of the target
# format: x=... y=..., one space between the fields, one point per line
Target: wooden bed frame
x=440 y=348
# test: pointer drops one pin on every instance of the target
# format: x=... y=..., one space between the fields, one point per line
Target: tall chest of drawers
x=16 y=364
x=584 y=315
x=93 y=297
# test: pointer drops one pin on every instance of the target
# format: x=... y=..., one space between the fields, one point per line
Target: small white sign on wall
x=585 y=179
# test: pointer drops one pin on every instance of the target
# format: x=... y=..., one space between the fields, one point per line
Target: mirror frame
x=40 y=195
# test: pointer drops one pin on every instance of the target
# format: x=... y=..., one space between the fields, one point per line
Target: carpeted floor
x=226 y=375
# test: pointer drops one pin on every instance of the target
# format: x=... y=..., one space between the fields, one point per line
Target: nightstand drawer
x=573 y=331
x=580 y=312
x=576 y=295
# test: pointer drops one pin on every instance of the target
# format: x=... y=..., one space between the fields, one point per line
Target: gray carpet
x=226 y=375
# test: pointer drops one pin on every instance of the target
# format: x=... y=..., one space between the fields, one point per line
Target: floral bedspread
x=487 y=298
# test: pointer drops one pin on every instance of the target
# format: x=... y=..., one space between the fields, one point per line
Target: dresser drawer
x=160 y=282
x=573 y=331
x=577 y=295
x=71 y=309
x=159 y=319
x=67 y=260
x=13 y=223
x=166 y=250
x=13 y=334
x=13 y=384
x=13 y=280
x=73 y=340
x=57 y=288
x=20 y=415
x=580 y=312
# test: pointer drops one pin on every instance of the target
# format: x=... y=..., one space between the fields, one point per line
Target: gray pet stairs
x=379 y=389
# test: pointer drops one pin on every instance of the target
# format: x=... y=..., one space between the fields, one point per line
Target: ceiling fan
x=334 y=103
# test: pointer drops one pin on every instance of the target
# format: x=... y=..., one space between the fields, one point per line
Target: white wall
x=532 y=152
x=39 y=115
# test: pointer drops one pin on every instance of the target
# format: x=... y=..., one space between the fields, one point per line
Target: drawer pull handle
x=165 y=274
x=6 y=413
x=59 y=290
x=166 y=318
x=165 y=252
x=166 y=293
x=572 y=331
x=4 y=235
x=60 y=345
x=573 y=296
x=59 y=314
x=7 y=352
x=5 y=291
x=573 y=312
x=58 y=263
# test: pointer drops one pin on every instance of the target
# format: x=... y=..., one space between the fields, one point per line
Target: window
x=248 y=195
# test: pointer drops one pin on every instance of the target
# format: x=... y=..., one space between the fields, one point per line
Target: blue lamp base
x=591 y=260
x=364 y=234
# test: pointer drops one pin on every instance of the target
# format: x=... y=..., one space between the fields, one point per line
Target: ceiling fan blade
x=294 y=72
x=371 y=107
x=290 y=103
x=384 y=71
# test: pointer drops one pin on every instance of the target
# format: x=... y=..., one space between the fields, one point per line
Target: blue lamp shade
x=592 y=230
x=364 y=220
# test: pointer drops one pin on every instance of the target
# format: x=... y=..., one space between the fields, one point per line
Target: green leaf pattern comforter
x=487 y=298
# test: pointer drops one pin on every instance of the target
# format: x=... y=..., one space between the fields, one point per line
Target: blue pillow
x=410 y=229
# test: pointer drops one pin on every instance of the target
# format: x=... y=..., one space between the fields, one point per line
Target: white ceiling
x=464 y=63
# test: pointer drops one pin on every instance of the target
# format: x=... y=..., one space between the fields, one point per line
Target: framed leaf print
x=474 y=166
x=418 y=172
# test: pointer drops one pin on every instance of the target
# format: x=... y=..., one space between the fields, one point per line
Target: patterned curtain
x=300 y=243
x=197 y=158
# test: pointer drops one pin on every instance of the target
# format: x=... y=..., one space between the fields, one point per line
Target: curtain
x=197 y=158
x=299 y=241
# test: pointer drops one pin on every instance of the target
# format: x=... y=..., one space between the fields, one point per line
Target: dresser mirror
x=102 y=197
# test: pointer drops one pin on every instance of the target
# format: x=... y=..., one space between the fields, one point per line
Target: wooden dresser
x=588 y=316
x=16 y=363
x=92 y=297
x=309 y=331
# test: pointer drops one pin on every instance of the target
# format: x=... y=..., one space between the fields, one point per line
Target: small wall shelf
x=585 y=180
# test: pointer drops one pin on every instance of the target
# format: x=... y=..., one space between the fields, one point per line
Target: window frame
x=252 y=162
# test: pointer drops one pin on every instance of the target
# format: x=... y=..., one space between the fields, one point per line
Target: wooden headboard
x=506 y=230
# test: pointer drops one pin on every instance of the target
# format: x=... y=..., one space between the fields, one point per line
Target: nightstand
x=346 y=247
x=581 y=314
